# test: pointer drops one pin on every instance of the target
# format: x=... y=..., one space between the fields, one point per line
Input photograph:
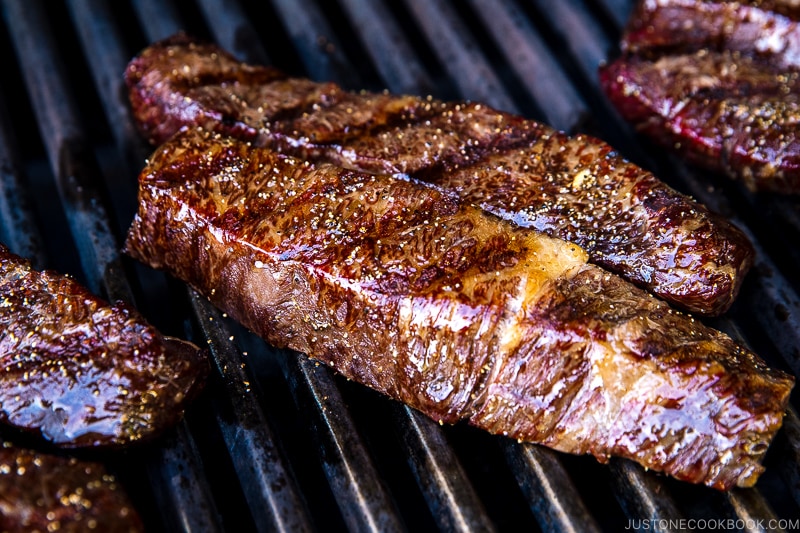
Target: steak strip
x=82 y=372
x=573 y=188
x=404 y=288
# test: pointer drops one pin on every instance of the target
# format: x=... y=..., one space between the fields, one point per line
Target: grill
x=276 y=442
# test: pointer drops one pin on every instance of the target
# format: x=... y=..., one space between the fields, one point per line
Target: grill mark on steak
x=45 y=492
x=82 y=372
x=430 y=140
x=406 y=289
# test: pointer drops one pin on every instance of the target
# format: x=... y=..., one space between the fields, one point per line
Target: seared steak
x=765 y=29
x=573 y=188
x=43 y=492
x=82 y=372
x=717 y=82
x=407 y=289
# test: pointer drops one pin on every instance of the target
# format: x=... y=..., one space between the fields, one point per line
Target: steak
x=764 y=29
x=724 y=111
x=407 y=289
x=46 y=492
x=716 y=82
x=573 y=188
x=82 y=372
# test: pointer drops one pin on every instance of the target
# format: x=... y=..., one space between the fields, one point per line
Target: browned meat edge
x=401 y=287
x=43 y=492
x=573 y=188
x=82 y=372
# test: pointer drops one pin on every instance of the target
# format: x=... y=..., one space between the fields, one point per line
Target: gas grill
x=276 y=442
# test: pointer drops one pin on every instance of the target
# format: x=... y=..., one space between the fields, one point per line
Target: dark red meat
x=408 y=290
x=82 y=372
x=573 y=188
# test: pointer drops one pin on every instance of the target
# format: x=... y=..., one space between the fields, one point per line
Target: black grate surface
x=276 y=443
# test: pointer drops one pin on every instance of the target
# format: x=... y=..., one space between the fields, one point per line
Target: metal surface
x=275 y=442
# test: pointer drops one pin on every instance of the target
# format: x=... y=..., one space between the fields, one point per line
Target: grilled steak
x=404 y=288
x=717 y=82
x=43 y=492
x=80 y=371
x=766 y=29
x=718 y=109
x=573 y=188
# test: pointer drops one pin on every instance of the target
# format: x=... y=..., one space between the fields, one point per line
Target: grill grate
x=275 y=442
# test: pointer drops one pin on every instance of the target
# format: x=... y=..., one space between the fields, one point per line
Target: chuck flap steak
x=404 y=288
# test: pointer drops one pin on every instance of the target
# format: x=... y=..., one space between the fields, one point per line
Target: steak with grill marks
x=573 y=188
x=83 y=372
x=405 y=288
x=717 y=82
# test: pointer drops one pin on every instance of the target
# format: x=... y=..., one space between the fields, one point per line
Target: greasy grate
x=275 y=442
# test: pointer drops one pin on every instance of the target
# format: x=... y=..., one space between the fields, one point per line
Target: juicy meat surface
x=573 y=188
x=717 y=82
x=83 y=372
x=765 y=29
x=45 y=492
x=404 y=288
x=722 y=110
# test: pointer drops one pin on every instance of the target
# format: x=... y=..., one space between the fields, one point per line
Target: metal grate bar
x=586 y=42
x=452 y=500
x=102 y=46
x=617 y=10
x=466 y=66
x=753 y=510
x=790 y=440
x=230 y=25
x=642 y=494
x=364 y=501
x=315 y=40
x=17 y=227
x=388 y=47
x=266 y=478
x=548 y=489
x=527 y=52
x=158 y=19
x=183 y=496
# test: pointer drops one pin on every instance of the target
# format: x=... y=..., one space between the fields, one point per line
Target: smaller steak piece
x=573 y=188
x=767 y=29
x=402 y=287
x=721 y=110
x=82 y=372
x=43 y=492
